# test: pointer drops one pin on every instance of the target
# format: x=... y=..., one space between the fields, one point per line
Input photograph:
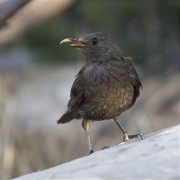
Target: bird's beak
x=74 y=42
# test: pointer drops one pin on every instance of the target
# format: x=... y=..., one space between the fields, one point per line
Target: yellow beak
x=74 y=42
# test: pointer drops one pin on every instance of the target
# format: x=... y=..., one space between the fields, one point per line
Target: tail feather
x=69 y=116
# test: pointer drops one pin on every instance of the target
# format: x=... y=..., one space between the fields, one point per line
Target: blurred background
x=36 y=75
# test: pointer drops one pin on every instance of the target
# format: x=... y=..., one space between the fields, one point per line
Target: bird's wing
x=77 y=93
x=134 y=79
x=76 y=97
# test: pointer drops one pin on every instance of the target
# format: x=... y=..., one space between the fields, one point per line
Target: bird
x=105 y=86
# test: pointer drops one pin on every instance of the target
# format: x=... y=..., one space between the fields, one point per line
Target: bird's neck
x=93 y=60
x=104 y=59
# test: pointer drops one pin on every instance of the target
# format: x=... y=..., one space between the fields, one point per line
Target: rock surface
x=156 y=157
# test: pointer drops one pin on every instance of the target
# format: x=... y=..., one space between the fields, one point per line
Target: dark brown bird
x=106 y=85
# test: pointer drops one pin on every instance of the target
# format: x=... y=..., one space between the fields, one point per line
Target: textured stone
x=155 y=157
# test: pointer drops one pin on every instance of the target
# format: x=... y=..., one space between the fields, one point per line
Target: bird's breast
x=108 y=92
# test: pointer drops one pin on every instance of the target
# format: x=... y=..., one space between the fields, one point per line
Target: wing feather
x=77 y=95
x=134 y=79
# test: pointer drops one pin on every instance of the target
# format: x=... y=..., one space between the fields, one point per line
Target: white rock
x=155 y=157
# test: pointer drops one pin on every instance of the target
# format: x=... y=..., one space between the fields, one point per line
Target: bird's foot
x=91 y=151
x=131 y=136
x=105 y=147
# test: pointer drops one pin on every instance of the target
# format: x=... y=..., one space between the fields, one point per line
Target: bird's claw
x=131 y=136
x=105 y=147
x=91 y=151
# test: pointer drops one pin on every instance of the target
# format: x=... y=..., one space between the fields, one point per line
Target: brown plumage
x=106 y=85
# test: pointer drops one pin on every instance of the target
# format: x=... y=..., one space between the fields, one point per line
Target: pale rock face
x=155 y=157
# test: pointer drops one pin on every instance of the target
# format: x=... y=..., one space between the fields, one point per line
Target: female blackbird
x=106 y=85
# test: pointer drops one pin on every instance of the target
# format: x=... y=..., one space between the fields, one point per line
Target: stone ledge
x=157 y=156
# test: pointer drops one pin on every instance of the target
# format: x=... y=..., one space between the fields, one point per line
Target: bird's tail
x=69 y=116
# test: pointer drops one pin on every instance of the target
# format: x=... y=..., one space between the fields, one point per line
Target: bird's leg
x=126 y=135
x=86 y=126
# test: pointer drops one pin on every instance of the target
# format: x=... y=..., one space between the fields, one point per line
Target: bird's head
x=94 y=46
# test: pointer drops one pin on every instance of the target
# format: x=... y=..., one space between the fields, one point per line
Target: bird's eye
x=94 y=41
